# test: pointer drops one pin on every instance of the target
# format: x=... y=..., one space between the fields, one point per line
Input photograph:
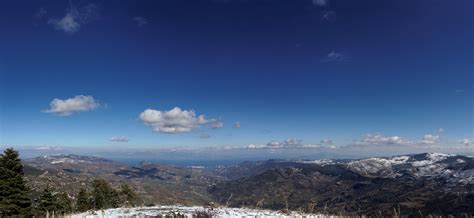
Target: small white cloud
x=440 y=130
x=320 y=3
x=119 y=139
x=141 y=21
x=287 y=144
x=329 y=16
x=215 y=123
x=176 y=120
x=74 y=18
x=237 y=125
x=466 y=142
x=378 y=138
x=69 y=106
x=334 y=56
x=67 y=24
x=429 y=139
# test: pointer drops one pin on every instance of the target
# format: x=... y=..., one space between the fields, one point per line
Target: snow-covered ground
x=188 y=212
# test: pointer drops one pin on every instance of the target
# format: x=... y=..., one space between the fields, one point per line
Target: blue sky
x=304 y=70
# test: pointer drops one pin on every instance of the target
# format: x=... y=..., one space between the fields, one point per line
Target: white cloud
x=287 y=144
x=119 y=139
x=329 y=16
x=334 y=56
x=176 y=120
x=141 y=21
x=215 y=123
x=320 y=3
x=466 y=142
x=237 y=125
x=69 y=106
x=440 y=130
x=430 y=139
x=67 y=24
x=74 y=18
x=380 y=139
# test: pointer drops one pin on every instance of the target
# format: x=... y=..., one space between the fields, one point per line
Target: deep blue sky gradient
x=407 y=70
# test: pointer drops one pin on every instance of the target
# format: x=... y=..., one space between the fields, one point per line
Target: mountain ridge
x=412 y=182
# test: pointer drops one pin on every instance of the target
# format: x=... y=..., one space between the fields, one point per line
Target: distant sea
x=206 y=163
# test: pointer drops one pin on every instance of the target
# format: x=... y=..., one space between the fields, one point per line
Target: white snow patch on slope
x=432 y=158
x=377 y=165
x=318 y=162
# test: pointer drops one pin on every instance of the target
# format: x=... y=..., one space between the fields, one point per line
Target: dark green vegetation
x=14 y=195
x=16 y=198
x=103 y=196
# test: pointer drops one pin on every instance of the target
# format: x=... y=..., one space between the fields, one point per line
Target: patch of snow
x=460 y=160
x=377 y=166
x=400 y=159
x=319 y=162
x=188 y=212
x=58 y=161
x=432 y=158
x=438 y=156
x=465 y=176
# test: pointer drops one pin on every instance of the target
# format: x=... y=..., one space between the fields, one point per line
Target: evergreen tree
x=129 y=197
x=53 y=201
x=64 y=203
x=103 y=195
x=83 y=202
x=47 y=201
x=14 y=195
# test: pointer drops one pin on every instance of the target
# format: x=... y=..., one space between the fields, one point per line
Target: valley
x=427 y=183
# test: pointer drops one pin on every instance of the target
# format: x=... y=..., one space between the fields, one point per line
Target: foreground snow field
x=188 y=212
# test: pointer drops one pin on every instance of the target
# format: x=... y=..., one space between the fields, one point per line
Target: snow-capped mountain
x=427 y=183
x=454 y=168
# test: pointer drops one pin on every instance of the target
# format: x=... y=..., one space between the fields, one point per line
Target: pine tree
x=103 y=195
x=47 y=201
x=54 y=201
x=129 y=197
x=64 y=203
x=83 y=202
x=14 y=195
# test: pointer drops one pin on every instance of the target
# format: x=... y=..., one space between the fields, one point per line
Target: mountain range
x=416 y=184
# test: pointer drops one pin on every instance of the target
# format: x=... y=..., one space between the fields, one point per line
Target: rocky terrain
x=420 y=184
x=411 y=184
x=156 y=184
